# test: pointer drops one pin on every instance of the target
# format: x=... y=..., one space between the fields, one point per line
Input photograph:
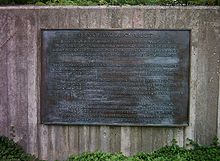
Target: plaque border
x=43 y=80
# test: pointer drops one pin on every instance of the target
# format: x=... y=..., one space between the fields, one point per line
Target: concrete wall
x=20 y=45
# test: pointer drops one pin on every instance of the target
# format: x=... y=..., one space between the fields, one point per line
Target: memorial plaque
x=115 y=77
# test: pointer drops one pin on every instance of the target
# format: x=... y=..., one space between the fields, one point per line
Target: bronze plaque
x=115 y=77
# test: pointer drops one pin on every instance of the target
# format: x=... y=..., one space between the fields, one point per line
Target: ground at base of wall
x=10 y=151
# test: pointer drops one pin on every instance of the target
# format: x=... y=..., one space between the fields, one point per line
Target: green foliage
x=112 y=2
x=98 y=156
x=10 y=151
x=11 y=2
x=167 y=153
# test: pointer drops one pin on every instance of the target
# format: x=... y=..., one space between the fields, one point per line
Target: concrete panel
x=20 y=63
